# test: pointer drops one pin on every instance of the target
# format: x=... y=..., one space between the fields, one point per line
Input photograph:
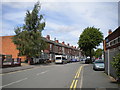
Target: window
x=114 y=42
x=50 y=46
x=110 y=43
x=118 y=39
x=63 y=58
x=107 y=44
x=58 y=58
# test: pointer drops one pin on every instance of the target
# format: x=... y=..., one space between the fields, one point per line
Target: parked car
x=60 y=59
x=82 y=60
x=98 y=65
x=87 y=61
x=73 y=60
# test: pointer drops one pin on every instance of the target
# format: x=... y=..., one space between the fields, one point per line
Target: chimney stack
x=109 y=31
x=63 y=43
x=68 y=44
x=56 y=41
x=48 y=37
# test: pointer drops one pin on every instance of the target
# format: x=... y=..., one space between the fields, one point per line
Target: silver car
x=98 y=65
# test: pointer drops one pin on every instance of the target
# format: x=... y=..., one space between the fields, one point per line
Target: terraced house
x=54 y=48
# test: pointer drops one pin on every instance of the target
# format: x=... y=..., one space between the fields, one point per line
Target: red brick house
x=54 y=47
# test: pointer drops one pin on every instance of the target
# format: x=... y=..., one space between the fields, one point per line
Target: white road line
x=13 y=82
x=81 y=81
x=41 y=73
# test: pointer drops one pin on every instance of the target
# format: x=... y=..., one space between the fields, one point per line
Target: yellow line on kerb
x=74 y=82
x=76 y=74
x=79 y=71
x=75 y=85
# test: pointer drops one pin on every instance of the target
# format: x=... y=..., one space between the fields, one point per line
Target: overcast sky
x=65 y=20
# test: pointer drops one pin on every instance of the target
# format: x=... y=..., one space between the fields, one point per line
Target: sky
x=65 y=20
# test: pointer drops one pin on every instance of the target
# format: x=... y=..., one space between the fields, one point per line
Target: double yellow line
x=75 y=81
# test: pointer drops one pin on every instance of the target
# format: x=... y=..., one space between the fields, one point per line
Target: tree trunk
x=90 y=55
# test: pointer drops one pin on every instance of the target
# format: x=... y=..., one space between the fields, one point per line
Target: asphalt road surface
x=71 y=75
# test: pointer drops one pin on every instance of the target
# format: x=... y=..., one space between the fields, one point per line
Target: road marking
x=81 y=82
x=75 y=81
x=75 y=85
x=13 y=82
x=79 y=71
x=41 y=73
x=72 y=84
x=77 y=75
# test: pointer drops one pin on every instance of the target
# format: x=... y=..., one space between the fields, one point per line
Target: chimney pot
x=63 y=43
x=57 y=41
x=109 y=31
x=48 y=37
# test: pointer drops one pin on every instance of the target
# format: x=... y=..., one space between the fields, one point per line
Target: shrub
x=116 y=65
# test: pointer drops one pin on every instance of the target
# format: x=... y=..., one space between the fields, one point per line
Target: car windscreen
x=58 y=58
x=99 y=61
x=63 y=58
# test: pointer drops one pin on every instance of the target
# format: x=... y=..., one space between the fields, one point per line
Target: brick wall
x=8 y=47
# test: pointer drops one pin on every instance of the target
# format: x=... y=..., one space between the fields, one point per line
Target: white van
x=60 y=59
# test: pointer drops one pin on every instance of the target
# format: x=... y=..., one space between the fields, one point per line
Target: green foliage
x=87 y=53
x=28 y=38
x=116 y=64
x=98 y=53
x=89 y=39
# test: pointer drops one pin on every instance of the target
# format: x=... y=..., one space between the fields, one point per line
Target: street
x=71 y=75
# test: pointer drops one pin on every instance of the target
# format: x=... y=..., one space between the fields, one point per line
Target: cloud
x=7 y=29
x=18 y=5
x=66 y=33
x=65 y=20
x=61 y=1
x=15 y=17
x=80 y=15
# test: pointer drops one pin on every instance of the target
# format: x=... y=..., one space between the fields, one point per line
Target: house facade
x=111 y=49
x=57 y=48
x=54 y=48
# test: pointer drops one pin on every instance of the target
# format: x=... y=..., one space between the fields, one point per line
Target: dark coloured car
x=87 y=61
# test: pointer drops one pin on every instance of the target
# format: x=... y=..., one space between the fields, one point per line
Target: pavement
x=13 y=69
x=96 y=79
x=23 y=66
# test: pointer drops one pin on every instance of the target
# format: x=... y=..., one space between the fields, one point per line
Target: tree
x=98 y=53
x=116 y=65
x=90 y=38
x=28 y=38
x=87 y=53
